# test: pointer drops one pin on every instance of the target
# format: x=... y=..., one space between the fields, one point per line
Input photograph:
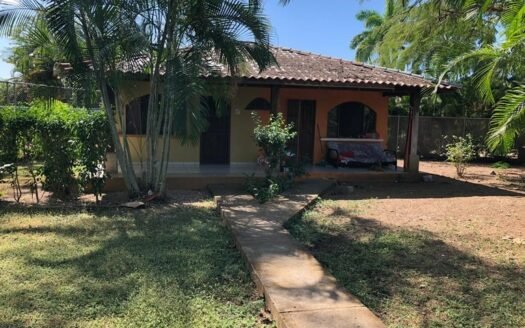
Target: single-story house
x=330 y=100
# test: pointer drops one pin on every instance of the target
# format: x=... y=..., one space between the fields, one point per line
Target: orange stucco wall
x=327 y=99
x=242 y=145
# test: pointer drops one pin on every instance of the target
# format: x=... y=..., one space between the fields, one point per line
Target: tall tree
x=479 y=43
x=498 y=64
x=169 y=41
x=366 y=42
x=423 y=36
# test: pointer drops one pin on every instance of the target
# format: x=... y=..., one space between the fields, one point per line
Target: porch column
x=411 y=156
x=275 y=98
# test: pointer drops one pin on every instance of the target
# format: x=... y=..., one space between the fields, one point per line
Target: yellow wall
x=242 y=143
x=242 y=146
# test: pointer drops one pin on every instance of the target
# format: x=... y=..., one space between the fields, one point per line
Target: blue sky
x=324 y=27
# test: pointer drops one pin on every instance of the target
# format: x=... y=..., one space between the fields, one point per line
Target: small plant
x=266 y=189
x=460 y=152
x=279 y=164
x=36 y=177
x=273 y=139
x=500 y=165
x=96 y=179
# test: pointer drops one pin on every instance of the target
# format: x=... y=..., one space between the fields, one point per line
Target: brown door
x=302 y=114
x=215 y=142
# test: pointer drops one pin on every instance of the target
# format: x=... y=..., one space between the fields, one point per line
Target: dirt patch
x=478 y=207
x=512 y=178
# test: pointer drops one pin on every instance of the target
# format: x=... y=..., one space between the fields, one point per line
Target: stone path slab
x=297 y=290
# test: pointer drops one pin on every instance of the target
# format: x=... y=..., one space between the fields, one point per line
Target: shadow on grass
x=175 y=267
x=412 y=278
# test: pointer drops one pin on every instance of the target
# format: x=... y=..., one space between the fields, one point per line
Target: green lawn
x=174 y=267
x=411 y=277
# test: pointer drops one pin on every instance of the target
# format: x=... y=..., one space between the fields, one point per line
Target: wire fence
x=435 y=133
x=21 y=94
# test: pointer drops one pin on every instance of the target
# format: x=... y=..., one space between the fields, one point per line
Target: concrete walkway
x=297 y=290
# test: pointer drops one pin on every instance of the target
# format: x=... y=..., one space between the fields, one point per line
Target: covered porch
x=195 y=176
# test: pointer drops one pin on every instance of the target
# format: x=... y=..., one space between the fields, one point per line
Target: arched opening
x=136 y=115
x=259 y=104
x=352 y=120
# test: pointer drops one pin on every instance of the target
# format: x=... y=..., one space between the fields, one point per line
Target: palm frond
x=487 y=56
x=16 y=15
x=508 y=120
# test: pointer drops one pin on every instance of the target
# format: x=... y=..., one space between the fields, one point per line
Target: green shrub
x=93 y=139
x=273 y=139
x=281 y=166
x=54 y=140
x=459 y=152
x=266 y=189
x=501 y=165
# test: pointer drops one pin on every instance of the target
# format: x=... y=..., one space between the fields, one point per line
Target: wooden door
x=302 y=114
x=215 y=142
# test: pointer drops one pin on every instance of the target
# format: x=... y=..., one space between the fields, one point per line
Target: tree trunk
x=128 y=174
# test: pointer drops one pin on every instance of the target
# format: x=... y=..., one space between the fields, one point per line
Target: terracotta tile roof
x=296 y=66
x=300 y=66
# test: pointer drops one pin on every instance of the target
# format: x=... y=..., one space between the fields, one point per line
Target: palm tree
x=366 y=42
x=502 y=64
x=169 y=41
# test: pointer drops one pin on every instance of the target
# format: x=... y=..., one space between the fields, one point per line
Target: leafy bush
x=93 y=137
x=459 y=152
x=273 y=138
x=54 y=140
x=53 y=124
x=266 y=189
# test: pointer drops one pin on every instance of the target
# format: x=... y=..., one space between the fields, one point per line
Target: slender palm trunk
x=122 y=153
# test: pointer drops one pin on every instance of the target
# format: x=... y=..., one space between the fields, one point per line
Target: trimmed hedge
x=67 y=144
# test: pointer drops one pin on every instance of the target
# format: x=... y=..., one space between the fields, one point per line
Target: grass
x=411 y=278
x=501 y=165
x=174 y=267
